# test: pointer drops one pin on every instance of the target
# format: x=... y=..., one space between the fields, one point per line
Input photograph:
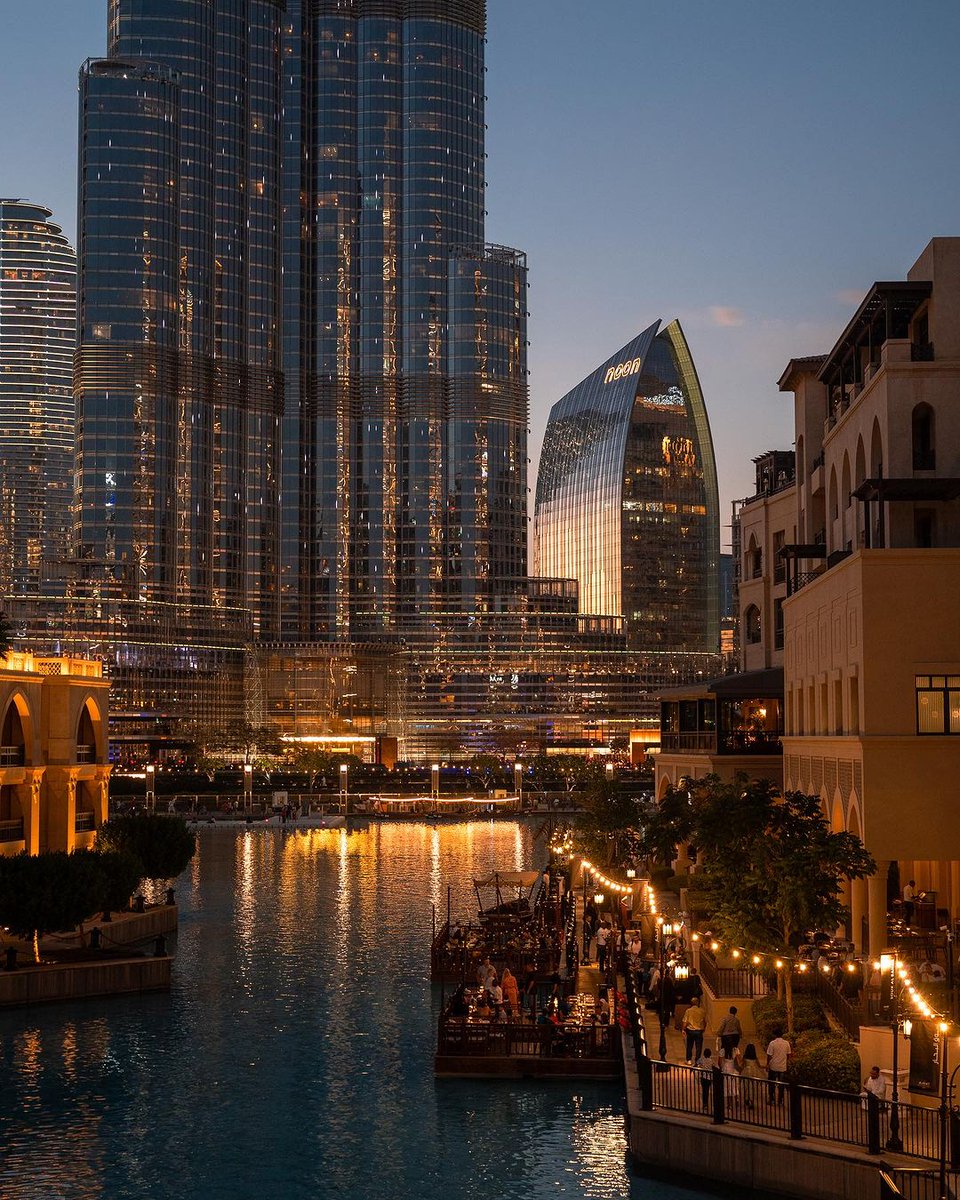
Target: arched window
x=751 y=623
x=924 y=438
x=754 y=564
x=834 y=503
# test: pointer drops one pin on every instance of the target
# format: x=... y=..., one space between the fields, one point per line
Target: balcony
x=84 y=822
x=11 y=831
x=700 y=742
x=11 y=756
x=86 y=754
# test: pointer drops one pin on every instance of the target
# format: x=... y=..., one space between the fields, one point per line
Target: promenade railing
x=461 y=1037
x=916 y=1183
x=790 y=1108
x=731 y=981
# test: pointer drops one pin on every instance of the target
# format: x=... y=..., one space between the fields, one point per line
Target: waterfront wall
x=75 y=981
x=743 y=1157
x=126 y=929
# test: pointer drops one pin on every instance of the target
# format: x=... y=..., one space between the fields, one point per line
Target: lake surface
x=293 y=1059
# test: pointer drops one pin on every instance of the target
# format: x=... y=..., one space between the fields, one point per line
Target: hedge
x=825 y=1060
x=770 y=1016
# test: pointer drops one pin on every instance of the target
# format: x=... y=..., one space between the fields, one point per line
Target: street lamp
x=890 y=970
x=151 y=787
x=247 y=786
x=586 y=942
x=518 y=781
x=435 y=781
x=943 y=1028
x=344 y=794
x=667 y=930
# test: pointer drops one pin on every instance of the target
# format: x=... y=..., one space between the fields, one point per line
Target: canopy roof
x=508 y=879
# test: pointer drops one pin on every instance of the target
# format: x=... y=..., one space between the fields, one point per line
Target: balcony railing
x=11 y=756
x=704 y=741
x=84 y=822
x=86 y=754
x=11 y=831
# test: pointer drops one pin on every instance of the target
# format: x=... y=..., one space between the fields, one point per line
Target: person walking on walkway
x=750 y=1069
x=730 y=1031
x=779 y=1053
x=909 y=897
x=706 y=1064
x=603 y=936
x=693 y=1025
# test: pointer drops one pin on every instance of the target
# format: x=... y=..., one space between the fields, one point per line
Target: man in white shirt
x=603 y=936
x=779 y=1053
x=909 y=896
x=875 y=1084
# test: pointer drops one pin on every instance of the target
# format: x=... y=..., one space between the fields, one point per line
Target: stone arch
x=837 y=822
x=860 y=466
x=923 y=426
x=752 y=630
x=91 y=729
x=801 y=465
x=834 y=494
x=854 y=823
x=665 y=786
x=16 y=730
x=845 y=486
x=876 y=450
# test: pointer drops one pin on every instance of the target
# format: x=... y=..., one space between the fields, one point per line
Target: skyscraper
x=627 y=499
x=37 y=338
x=302 y=373
x=405 y=439
x=179 y=385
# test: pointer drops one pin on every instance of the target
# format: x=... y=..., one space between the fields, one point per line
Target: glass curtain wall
x=38 y=280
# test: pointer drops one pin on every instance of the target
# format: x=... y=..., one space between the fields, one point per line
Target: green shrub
x=770 y=1016
x=163 y=844
x=825 y=1060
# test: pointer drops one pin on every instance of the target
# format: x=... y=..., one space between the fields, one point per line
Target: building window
x=779 y=564
x=924 y=444
x=938 y=704
x=778 y=624
x=751 y=623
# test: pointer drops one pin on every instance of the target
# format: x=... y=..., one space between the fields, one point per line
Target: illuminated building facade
x=405 y=450
x=38 y=280
x=627 y=500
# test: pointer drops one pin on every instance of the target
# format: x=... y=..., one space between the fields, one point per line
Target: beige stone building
x=53 y=753
x=849 y=580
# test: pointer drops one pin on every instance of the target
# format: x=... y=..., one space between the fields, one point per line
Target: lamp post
x=667 y=930
x=586 y=943
x=888 y=962
x=344 y=793
x=943 y=1028
x=151 y=787
x=518 y=781
x=247 y=786
x=435 y=781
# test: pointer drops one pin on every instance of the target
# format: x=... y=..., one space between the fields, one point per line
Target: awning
x=508 y=879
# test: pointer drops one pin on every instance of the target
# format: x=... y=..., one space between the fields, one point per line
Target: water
x=293 y=1059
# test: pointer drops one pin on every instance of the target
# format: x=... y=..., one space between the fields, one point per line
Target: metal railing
x=731 y=981
x=462 y=1038
x=11 y=756
x=698 y=740
x=11 y=831
x=917 y=1183
x=848 y=1016
x=86 y=754
x=84 y=822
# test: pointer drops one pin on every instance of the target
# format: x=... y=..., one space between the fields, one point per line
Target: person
x=750 y=1069
x=508 y=981
x=779 y=1053
x=875 y=1085
x=484 y=973
x=603 y=936
x=693 y=1025
x=730 y=1031
x=496 y=996
x=909 y=898
x=706 y=1064
x=730 y=1064
x=603 y=1008
x=459 y=1006
x=484 y=1011
x=635 y=950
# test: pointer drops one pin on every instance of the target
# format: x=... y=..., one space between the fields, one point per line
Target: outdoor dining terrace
x=577 y=1044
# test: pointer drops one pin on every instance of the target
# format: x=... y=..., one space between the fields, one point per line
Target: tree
x=162 y=845
x=771 y=868
x=45 y=893
x=6 y=635
x=609 y=823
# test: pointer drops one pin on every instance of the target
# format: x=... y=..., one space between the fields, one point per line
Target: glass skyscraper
x=405 y=336
x=302 y=378
x=627 y=500
x=38 y=279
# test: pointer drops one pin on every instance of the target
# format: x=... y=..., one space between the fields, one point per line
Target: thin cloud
x=849 y=295
x=725 y=316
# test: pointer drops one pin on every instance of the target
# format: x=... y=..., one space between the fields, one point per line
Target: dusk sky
x=749 y=166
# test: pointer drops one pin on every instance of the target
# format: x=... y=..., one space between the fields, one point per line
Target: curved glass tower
x=38 y=313
x=627 y=500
